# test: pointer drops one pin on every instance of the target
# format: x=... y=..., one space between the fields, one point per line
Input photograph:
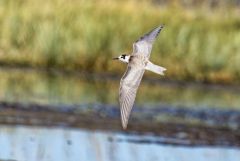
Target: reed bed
x=197 y=44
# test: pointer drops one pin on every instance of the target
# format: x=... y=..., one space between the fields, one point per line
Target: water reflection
x=54 y=88
x=51 y=144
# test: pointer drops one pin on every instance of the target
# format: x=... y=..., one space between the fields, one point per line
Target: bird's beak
x=115 y=59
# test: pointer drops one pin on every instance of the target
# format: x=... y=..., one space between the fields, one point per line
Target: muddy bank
x=178 y=126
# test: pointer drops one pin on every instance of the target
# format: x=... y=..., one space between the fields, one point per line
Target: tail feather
x=155 y=68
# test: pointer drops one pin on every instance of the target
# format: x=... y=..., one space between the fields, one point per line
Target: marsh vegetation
x=198 y=43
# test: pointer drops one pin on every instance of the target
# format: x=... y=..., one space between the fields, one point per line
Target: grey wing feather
x=126 y=99
x=127 y=92
x=144 y=44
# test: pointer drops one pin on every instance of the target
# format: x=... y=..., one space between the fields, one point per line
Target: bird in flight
x=137 y=62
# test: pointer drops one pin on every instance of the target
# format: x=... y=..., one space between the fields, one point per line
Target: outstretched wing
x=128 y=90
x=144 y=44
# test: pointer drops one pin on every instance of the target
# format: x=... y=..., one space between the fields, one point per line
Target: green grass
x=197 y=44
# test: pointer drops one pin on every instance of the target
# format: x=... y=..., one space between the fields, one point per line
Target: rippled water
x=57 y=144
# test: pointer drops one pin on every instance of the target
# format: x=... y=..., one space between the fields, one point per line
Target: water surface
x=78 y=88
x=165 y=124
x=51 y=144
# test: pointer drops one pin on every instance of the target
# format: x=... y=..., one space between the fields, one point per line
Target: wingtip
x=124 y=127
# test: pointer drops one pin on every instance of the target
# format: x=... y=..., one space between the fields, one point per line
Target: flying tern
x=137 y=62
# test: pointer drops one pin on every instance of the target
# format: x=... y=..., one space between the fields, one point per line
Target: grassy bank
x=197 y=43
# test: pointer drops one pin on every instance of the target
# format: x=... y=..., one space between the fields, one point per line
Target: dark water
x=84 y=123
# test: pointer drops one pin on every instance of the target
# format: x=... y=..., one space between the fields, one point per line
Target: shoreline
x=214 y=127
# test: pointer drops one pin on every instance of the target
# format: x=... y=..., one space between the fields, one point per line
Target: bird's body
x=138 y=62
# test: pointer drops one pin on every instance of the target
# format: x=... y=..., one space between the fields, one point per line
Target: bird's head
x=124 y=58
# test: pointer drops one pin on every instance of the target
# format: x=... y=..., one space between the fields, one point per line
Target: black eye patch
x=123 y=56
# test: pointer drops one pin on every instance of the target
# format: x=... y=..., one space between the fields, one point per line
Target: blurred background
x=59 y=85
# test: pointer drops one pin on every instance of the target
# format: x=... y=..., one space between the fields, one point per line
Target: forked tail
x=155 y=68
